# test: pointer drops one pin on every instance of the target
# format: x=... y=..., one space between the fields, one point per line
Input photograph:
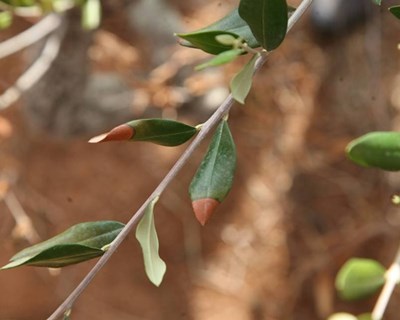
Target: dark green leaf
x=395 y=10
x=267 y=20
x=214 y=178
x=5 y=19
x=146 y=234
x=81 y=242
x=222 y=58
x=91 y=14
x=231 y=24
x=359 y=278
x=206 y=41
x=376 y=149
x=159 y=131
x=241 y=82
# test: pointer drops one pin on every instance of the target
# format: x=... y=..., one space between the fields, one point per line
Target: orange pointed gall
x=204 y=208
x=122 y=132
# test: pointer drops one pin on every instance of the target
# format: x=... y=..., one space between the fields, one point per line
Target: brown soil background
x=298 y=209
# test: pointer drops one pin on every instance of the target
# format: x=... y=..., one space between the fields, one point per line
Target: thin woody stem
x=222 y=110
x=392 y=279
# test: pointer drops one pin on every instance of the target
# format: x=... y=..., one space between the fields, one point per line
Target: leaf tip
x=120 y=133
x=204 y=208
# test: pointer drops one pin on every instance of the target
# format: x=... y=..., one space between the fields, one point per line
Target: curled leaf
x=79 y=243
x=205 y=39
x=146 y=234
x=214 y=178
x=159 y=131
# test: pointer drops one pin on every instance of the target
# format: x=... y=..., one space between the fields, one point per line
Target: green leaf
x=267 y=19
x=79 y=243
x=241 y=82
x=342 y=316
x=232 y=24
x=214 y=178
x=222 y=58
x=159 y=131
x=378 y=2
x=206 y=40
x=5 y=19
x=359 y=278
x=379 y=149
x=146 y=234
x=395 y=10
x=91 y=14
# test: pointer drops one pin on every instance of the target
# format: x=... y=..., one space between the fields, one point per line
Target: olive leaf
x=359 y=278
x=380 y=149
x=158 y=131
x=267 y=19
x=146 y=234
x=222 y=58
x=241 y=83
x=395 y=10
x=79 y=243
x=214 y=177
x=205 y=38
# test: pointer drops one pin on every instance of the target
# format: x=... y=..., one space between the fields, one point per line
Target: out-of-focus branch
x=30 y=36
x=35 y=71
x=392 y=279
x=24 y=227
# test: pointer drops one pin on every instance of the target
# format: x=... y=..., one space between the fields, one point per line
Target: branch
x=392 y=279
x=24 y=226
x=30 y=36
x=35 y=71
x=222 y=110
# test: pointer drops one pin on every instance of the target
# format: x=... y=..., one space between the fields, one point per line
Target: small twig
x=24 y=227
x=30 y=36
x=222 y=110
x=392 y=279
x=33 y=74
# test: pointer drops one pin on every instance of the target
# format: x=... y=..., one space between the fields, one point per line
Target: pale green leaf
x=267 y=19
x=222 y=58
x=91 y=14
x=146 y=234
x=241 y=82
x=342 y=316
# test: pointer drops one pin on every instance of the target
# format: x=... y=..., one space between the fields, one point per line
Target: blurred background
x=298 y=209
